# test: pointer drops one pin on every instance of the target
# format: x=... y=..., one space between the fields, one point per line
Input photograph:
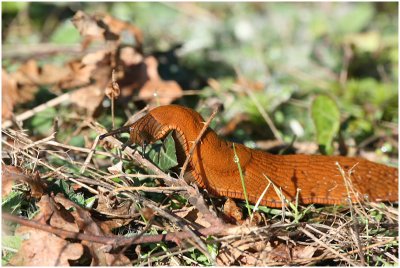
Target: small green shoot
x=237 y=161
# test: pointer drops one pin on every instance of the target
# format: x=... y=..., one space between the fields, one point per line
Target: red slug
x=212 y=165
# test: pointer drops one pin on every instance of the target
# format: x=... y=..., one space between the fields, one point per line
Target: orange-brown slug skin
x=212 y=165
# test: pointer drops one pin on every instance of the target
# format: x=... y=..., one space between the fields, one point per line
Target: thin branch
x=334 y=252
x=90 y=155
x=260 y=108
x=150 y=189
x=28 y=114
x=53 y=169
x=118 y=241
x=194 y=145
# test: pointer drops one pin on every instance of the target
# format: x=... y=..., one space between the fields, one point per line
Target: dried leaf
x=193 y=215
x=12 y=173
x=89 y=97
x=44 y=249
x=240 y=251
x=147 y=213
x=303 y=252
x=116 y=169
x=9 y=95
x=158 y=92
x=87 y=25
x=233 y=213
x=109 y=204
x=122 y=28
x=105 y=27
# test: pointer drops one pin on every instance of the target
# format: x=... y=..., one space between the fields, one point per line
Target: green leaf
x=67 y=189
x=355 y=19
x=90 y=202
x=13 y=201
x=164 y=154
x=66 y=33
x=77 y=141
x=42 y=122
x=13 y=242
x=326 y=117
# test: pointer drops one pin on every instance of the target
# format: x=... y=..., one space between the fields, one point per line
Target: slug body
x=212 y=165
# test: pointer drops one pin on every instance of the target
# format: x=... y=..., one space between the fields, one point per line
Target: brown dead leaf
x=9 y=95
x=88 y=225
x=78 y=76
x=160 y=92
x=89 y=97
x=244 y=251
x=233 y=213
x=13 y=174
x=116 y=169
x=147 y=213
x=279 y=253
x=87 y=27
x=41 y=248
x=193 y=215
x=105 y=28
x=122 y=28
x=303 y=252
x=56 y=212
x=53 y=74
x=30 y=73
x=116 y=260
x=108 y=204
x=29 y=76
x=112 y=90
x=156 y=91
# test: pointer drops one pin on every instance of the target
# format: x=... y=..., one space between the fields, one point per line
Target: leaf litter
x=136 y=75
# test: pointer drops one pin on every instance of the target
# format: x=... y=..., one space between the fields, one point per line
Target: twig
x=118 y=241
x=90 y=155
x=260 y=108
x=136 y=156
x=341 y=256
x=150 y=189
x=36 y=143
x=196 y=198
x=54 y=169
x=194 y=145
x=136 y=176
x=44 y=49
x=79 y=149
x=51 y=103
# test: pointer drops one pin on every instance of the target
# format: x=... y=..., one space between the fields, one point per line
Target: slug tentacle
x=317 y=177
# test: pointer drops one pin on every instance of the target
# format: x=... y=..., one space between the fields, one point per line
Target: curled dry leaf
x=157 y=91
x=13 y=174
x=86 y=25
x=30 y=74
x=112 y=91
x=44 y=249
x=303 y=252
x=105 y=28
x=233 y=213
x=109 y=204
x=9 y=95
x=89 y=98
x=116 y=169
x=86 y=224
x=243 y=252
x=90 y=76
x=193 y=215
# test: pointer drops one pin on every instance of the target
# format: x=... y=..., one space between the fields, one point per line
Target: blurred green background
x=291 y=51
